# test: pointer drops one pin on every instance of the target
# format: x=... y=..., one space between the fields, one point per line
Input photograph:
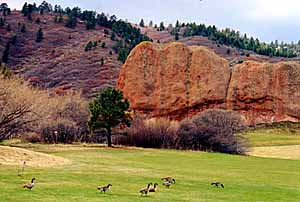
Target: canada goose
x=103 y=189
x=154 y=188
x=167 y=184
x=29 y=185
x=169 y=179
x=217 y=184
x=145 y=191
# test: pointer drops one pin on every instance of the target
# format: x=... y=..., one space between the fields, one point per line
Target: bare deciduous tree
x=15 y=115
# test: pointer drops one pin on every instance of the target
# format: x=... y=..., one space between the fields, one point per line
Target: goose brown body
x=103 y=189
x=154 y=188
x=145 y=191
x=169 y=179
x=217 y=184
x=29 y=185
x=167 y=184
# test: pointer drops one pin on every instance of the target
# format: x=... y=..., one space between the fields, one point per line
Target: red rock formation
x=177 y=81
x=266 y=92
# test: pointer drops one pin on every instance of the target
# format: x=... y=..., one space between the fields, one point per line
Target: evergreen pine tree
x=151 y=24
x=2 y=22
x=142 y=23
x=102 y=61
x=6 y=53
x=38 y=21
x=25 y=9
x=176 y=36
x=177 y=24
x=39 y=35
x=161 y=26
x=23 y=28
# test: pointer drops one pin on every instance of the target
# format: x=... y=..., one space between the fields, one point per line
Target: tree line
x=131 y=36
x=229 y=37
x=235 y=39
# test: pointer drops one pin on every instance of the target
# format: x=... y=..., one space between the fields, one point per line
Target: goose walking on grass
x=167 y=184
x=29 y=185
x=145 y=191
x=217 y=184
x=154 y=188
x=168 y=179
x=103 y=189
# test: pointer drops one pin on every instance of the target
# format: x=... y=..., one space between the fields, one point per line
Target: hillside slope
x=60 y=61
x=222 y=50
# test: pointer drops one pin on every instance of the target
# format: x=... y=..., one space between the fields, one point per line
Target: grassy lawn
x=246 y=179
x=273 y=137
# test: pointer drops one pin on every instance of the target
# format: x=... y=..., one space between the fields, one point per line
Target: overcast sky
x=266 y=19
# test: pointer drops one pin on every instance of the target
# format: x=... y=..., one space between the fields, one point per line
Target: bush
x=68 y=116
x=61 y=133
x=187 y=135
x=154 y=133
x=31 y=137
x=213 y=130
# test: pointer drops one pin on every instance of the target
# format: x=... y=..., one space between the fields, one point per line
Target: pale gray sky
x=266 y=19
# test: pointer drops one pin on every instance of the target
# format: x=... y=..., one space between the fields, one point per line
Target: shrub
x=213 y=130
x=23 y=28
x=154 y=133
x=60 y=133
x=68 y=116
x=106 y=32
x=88 y=46
x=31 y=137
x=185 y=135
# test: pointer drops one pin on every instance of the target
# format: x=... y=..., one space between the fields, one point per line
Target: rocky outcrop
x=265 y=92
x=179 y=81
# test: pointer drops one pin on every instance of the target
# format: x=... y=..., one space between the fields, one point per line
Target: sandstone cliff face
x=266 y=92
x=180 y=81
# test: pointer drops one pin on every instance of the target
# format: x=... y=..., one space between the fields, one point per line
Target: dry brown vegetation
x=212 y=130
x=26 y=109
x=153 y=133
x=17 y=156
x=37 y=116
x=282 y=152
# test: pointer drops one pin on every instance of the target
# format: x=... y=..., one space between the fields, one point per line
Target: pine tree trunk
x=109 y=144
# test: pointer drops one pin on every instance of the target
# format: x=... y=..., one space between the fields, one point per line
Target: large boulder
x=179 y=81
x=173 y=80
x=265 y=92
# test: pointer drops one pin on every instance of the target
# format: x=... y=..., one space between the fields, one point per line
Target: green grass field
x=273 y=137
x=246 y=179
